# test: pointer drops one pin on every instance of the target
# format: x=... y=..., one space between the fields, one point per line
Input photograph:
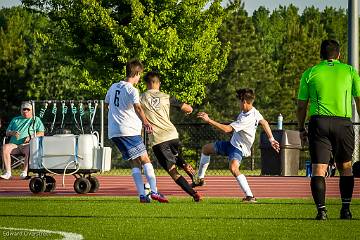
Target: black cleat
x=198 y=182
x=345 y=214
x=249 y=199
x=322 y=215
x=197 y=197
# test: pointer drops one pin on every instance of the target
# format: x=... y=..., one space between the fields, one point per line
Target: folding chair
x=16 y=159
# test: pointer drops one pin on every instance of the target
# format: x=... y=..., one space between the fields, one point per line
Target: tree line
x=69 y=49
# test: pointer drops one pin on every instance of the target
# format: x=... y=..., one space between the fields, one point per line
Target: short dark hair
x=246 y=94
x=330 y=49
x=134 y=67
x=152 y=77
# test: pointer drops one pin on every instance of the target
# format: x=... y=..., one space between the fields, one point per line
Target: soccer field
x=213 y=218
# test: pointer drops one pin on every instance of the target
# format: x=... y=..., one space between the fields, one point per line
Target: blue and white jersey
x=122 y=118
x=244 y=130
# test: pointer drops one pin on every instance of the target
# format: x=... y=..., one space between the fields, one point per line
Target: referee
x=329 y=86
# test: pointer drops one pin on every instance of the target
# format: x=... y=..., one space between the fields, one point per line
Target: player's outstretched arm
x=223 y=127
x=274 y=144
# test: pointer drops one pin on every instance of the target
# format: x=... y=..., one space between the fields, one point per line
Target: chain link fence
x=192 y=136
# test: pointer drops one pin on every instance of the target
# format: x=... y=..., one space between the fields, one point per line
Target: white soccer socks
x=150 y=176
x=139 y=183
x=241 y=179
x=204 y=163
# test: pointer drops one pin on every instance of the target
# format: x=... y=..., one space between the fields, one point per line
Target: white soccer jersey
x=245 y=129
x=122 y=118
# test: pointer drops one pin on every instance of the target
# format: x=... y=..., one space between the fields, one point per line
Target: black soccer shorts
x=169 y=153
x=330 y=135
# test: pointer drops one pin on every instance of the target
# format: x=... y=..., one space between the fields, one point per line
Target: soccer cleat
x=6 y=176
x=345 y=213
x=249 y=199
x=197 y=197
x=321 y=215
x=159 y=197
x=23 y=175
x=144 y=199
x=198 y=182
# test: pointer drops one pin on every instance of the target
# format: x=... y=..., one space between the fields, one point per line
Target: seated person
x=21 y=129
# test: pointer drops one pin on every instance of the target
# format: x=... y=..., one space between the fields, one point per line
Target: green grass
x=213 y=218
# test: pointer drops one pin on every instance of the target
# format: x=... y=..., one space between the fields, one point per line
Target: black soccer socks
x=181 y=181
x=318 y=189
x=346 y=185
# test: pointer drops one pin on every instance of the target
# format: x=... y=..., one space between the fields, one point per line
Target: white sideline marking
x=66 y=235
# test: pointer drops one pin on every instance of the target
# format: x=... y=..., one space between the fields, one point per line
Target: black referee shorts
x=169 y=153
x=330 y=136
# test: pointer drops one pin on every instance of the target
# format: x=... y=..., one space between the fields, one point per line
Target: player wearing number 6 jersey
x=125 y=120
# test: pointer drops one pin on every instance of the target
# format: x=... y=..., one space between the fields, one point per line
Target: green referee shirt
x=330 y=86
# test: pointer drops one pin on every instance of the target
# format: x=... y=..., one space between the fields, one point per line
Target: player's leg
x=242 y=181
x=150 y=177
x=181 y=181
x=318 y=189
x=344 y=148
x=166 y=157
x=320 y=152
x=138 y=179
x=175 y=147
x=131 y=147
x=235 y=158
x=206 y=151
x=346 y=185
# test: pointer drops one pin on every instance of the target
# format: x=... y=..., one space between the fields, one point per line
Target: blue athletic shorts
x=225 y=148
x=130 y=147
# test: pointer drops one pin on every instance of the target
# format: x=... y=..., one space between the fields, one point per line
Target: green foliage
x=269 y=52
x=71 y=49
x=34 y=63
x=18 y=47
x=178 y=39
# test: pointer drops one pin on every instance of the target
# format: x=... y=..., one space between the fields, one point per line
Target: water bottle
x=280 y=122
x=308 y=168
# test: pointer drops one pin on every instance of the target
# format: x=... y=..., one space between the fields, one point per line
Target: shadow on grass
x=164 y=217
x=134 y=200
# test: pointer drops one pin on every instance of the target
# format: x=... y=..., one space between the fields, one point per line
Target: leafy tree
x=335 y=24
x=248 y=66
x=19 y=53
x=176 y=38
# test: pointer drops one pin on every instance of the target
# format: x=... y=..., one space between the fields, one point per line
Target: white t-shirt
x=122 y=118
x=245 y=129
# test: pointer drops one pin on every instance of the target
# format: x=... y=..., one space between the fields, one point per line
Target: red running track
x=216 y=186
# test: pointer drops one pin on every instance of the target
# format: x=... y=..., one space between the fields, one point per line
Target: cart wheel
x=94 y=184
x=82 y=185
x=37 y=185
x=50 y=184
